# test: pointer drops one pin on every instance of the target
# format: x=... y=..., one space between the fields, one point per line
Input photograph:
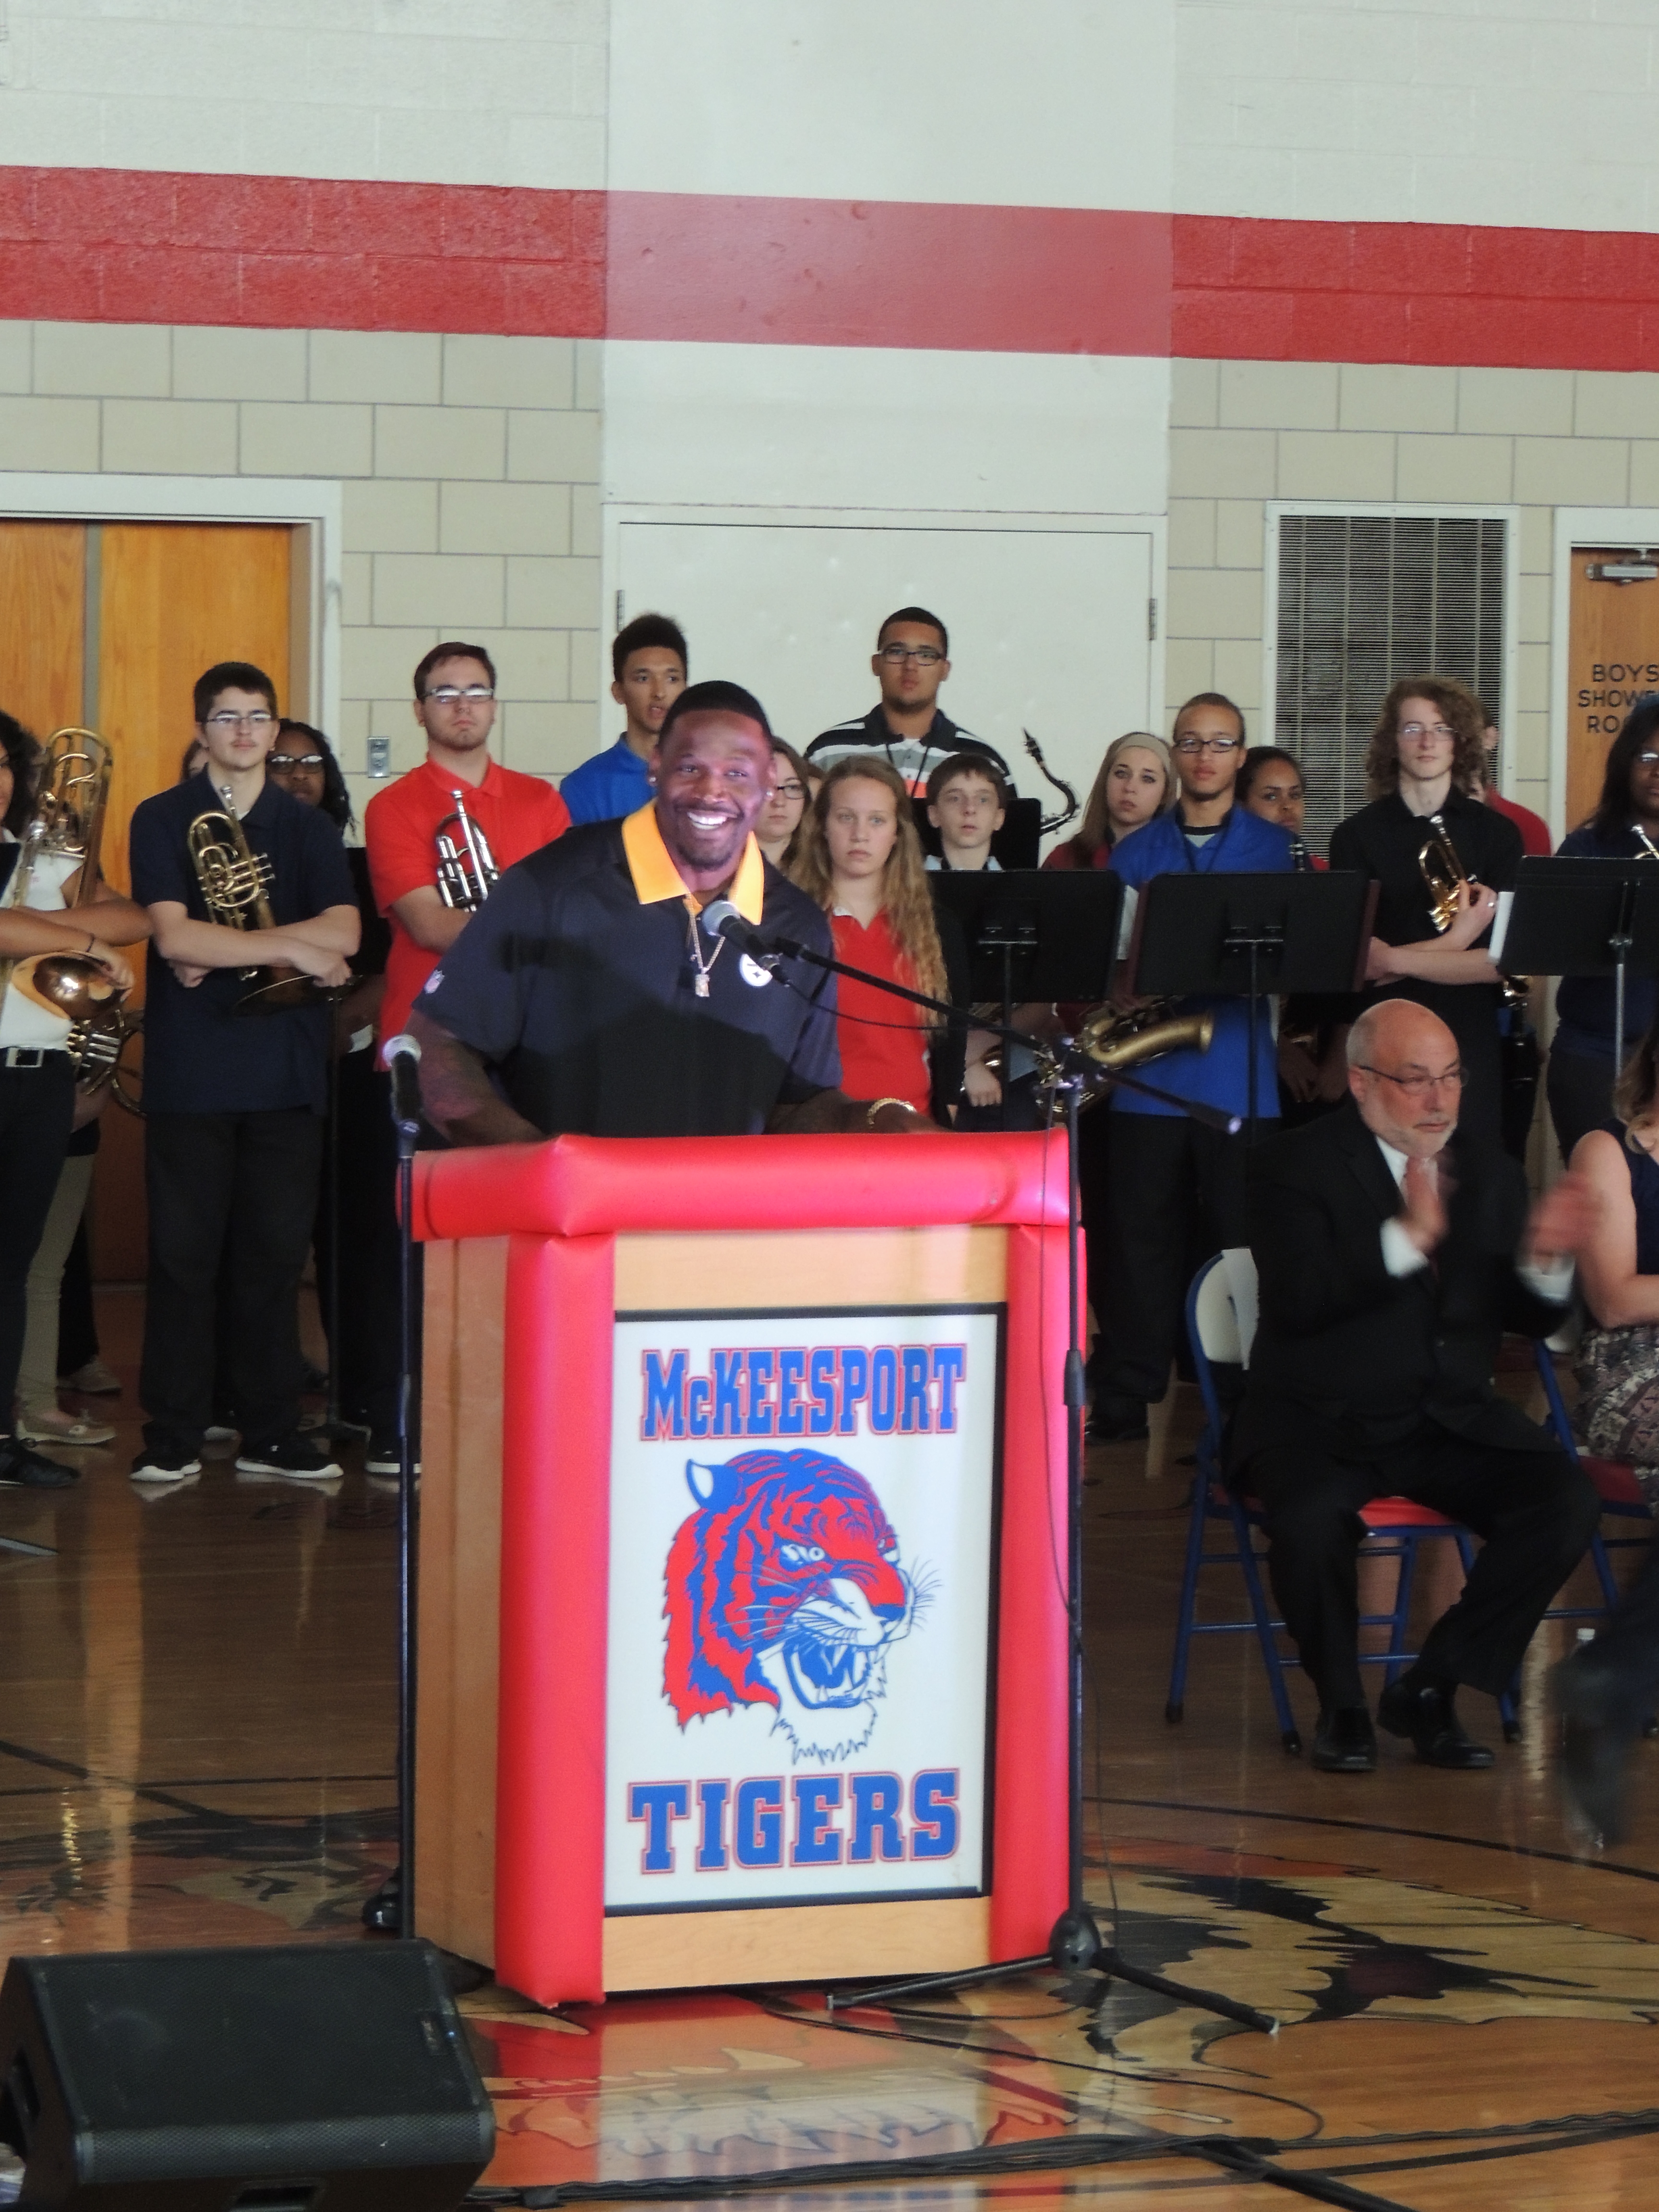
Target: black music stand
x=1043 y=933
x=1251 y=937
x=1580 y=916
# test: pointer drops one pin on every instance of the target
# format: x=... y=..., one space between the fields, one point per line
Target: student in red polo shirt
x=455 y=705
x=862 y=862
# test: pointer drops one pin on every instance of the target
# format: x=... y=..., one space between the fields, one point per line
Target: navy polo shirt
x=200 y=1056
x=582 y=997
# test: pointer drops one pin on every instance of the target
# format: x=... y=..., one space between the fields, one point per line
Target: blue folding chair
x=1220 y=1325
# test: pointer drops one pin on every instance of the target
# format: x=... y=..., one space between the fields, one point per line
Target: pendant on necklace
x=702 y=984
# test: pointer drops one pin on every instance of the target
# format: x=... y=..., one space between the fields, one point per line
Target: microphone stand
x=395 y=1899
x=1075 y=1943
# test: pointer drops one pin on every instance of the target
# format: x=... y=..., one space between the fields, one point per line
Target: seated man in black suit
x=1392 y=1253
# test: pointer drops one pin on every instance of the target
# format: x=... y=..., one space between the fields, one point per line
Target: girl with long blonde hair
x=861 y=859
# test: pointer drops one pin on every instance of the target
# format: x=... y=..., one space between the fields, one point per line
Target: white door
x=1048 y=628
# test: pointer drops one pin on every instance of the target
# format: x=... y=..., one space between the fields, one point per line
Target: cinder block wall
x=1245 y=432
x=470 y=469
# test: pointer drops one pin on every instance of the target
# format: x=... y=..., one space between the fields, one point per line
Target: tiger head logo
x=784 y=1588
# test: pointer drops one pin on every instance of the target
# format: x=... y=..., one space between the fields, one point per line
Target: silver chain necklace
x=705 y=968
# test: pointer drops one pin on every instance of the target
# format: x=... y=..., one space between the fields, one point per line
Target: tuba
x=235 y=883
x=467 y=872
x=68 y=823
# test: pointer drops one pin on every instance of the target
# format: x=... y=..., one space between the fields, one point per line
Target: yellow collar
x=655 y=877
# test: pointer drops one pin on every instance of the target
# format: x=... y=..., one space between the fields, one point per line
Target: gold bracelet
x=876 y=1105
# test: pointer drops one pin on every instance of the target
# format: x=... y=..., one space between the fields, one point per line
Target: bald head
x=1404 y=1073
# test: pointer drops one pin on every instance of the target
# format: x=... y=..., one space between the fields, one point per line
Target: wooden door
x=43 y=589
x=172 y=598
x=109 y=625
x=1612 y=658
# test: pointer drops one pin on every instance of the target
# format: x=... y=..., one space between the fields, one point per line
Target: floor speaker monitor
x=296 y=2078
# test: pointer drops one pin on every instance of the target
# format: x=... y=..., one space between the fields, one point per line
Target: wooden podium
x=742 y=1631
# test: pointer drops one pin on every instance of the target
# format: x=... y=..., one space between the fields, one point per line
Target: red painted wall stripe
x=132 y=246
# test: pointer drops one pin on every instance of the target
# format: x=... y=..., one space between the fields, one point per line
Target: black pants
x=253 y=1178
x=1580 y=1093
x=36 y=1106
x=1174 y=1196
x=363 y=1346
x=1535 y=1509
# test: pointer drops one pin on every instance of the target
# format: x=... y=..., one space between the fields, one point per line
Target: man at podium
x=586 y=997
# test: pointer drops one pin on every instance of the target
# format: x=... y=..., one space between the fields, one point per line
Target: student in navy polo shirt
x=1171 y=1182
x=648 y=665
x=234 y=1103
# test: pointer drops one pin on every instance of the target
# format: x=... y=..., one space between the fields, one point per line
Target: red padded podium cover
x=561 y=1205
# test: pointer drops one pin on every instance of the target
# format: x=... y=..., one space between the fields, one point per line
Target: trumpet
x=68 y=824
x=467 y=872
x=236 y=885
x=1442 y=875
x=1445 y=881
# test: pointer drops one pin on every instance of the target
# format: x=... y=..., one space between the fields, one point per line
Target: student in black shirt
x=1426 y=750
x=234 y=1101
x=590 y=990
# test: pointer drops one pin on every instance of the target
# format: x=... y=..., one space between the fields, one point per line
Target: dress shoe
x=1345 y=1742
x=1424 y=1711
x=23 y=1469
x=1595 y=1746
x=1117 y=1421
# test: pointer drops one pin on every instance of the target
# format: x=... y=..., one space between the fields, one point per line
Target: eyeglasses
x=925 y=656
x=1417 y=1087
x=789 y=790
x=1207 y=745
x=283 y=761
x=258 y=723
x=1427 y=730
x=446 y=695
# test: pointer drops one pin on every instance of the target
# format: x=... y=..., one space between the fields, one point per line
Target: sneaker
x=382 y=1455
x=23 y=1469
x=51 y=1425
x=294 y=1455
x=168 y=1461
x=94 y=1380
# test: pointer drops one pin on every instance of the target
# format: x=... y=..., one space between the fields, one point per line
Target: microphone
x=719 y=918
x=402 y=1055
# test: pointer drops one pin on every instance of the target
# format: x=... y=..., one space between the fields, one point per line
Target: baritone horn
x=467 y=872
x=235 y=885
x=68 y=824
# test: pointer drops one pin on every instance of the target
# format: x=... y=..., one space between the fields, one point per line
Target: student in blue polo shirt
x=234 y=1101
x=648 y=664
x=1175 y=1190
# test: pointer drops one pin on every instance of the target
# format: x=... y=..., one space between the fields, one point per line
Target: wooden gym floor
x=196 y=1747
